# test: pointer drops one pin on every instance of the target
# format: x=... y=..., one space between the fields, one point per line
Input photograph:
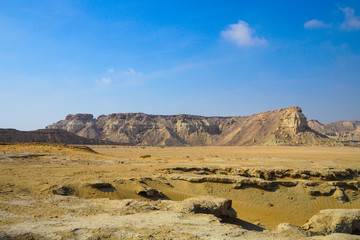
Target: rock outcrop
x=284 y=126
x=334 y=221
x=149 y=192
x=342 y=130
x=219 y=207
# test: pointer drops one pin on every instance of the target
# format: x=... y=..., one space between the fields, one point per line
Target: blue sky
x=224 y=58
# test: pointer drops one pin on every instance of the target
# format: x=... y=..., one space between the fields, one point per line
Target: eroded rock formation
x=342 y=130
x=334 y=221
x=284 y=126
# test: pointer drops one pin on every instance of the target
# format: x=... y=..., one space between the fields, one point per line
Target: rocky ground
x=52 y=191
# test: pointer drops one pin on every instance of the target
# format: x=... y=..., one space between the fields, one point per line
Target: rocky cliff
x=341 y=130
x=282 y=126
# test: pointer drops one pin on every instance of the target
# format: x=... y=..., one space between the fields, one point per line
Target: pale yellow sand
x=33 y=170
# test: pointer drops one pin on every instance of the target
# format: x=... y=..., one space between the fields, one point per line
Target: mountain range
x=286 y=126
x=279 y=127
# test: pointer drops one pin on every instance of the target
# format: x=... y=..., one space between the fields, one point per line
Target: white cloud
x=130 y=76
x=351 y=22
x=106 y=80
x=131 y=71
x=242 y=35
x=314 y=23
x=127 y=77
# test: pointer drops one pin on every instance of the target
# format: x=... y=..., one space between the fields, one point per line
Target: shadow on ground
x=243 y=224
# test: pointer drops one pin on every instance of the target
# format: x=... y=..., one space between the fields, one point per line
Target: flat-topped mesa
x=283 y=126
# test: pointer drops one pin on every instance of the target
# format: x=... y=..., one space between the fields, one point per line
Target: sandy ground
x=313 y=178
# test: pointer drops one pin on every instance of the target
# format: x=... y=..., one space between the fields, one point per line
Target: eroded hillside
x=279 y=127
x=341 y=130
x=45 y=136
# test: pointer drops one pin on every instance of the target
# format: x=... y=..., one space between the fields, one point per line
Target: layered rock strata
x=279 y=127
x=341 y=130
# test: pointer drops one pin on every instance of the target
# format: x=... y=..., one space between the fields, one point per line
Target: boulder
x=220 y=207
x=334 y=221
x=149 y=192
x=290 y=230
x=340 y=196
x=63 y=190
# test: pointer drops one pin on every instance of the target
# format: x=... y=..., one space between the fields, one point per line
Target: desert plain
x=57 y=191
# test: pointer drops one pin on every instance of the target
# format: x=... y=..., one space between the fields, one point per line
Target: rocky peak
x=80 y=116
x=294 y=109
x=75 y=124
x=295 y=120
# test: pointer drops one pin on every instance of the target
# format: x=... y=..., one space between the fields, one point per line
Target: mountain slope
x=341 y=130
x=282 y=126
x=45 y=135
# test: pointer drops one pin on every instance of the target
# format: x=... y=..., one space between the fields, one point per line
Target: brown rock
x=341 y=130
x=149 y=192
x=220 y=207
x=63 y=190
x=334 y=221
x=282 y=126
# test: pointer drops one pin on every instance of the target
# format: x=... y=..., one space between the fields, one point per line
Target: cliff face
x=283 y=126
x=341 y=130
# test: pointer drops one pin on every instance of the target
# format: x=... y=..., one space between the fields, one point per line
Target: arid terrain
x=205 y=120
x=45 y=135
x=55 y=191
x=286 y=126
x=341 y=130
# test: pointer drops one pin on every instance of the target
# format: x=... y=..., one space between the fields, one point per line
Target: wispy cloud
x=104 y=81
x=130 y=72
x=314 y=23
x=129 y=77
x=242 y=35
x=351 y=22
